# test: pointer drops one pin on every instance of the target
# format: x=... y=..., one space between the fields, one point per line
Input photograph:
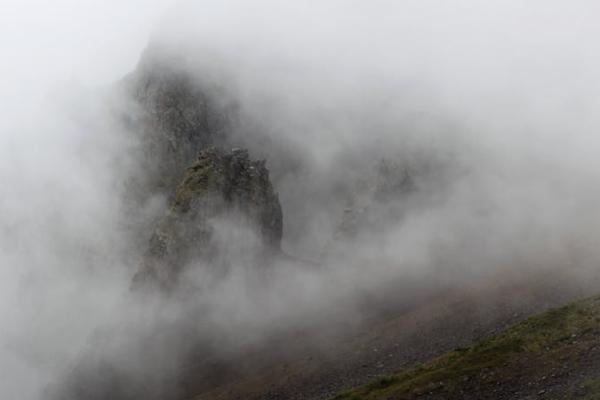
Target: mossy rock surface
x=219 y=185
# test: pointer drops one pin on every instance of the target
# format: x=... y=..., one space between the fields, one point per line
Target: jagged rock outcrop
x=178 y=116
x=220 y=190
x=173 y=112
x=182 y=126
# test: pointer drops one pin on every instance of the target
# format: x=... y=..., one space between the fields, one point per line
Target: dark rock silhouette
x=178 y=116
x=219 y=186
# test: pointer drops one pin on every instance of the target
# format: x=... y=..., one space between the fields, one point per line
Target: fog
x=491 y=105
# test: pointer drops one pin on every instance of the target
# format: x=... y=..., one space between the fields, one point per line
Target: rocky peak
x=219 y=185
x=180 y=114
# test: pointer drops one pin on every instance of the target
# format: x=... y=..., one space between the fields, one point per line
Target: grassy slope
x=531 y=350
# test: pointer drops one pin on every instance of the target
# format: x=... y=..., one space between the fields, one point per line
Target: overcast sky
x=43 y=42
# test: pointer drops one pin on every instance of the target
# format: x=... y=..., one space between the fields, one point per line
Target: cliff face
x=184 y=124
x=178 y=116
x=218 y=188
x=221 y=211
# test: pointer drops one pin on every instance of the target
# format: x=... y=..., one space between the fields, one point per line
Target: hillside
x=552 y=355
x=423 y=327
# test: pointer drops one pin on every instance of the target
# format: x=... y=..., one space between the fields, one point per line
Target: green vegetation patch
x=590 y=389
x=201 y=178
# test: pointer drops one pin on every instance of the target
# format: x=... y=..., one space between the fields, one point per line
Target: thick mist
x=490 y=107
x=61 y=258
x=499 y=96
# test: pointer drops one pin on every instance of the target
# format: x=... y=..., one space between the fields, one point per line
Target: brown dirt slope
x=402 y=340
x=553 y=355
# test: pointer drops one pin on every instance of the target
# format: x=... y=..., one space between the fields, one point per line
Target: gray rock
x=219 y=186
x=178 y=115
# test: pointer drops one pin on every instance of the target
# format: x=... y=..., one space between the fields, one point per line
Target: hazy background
x=501 y=95
x=56 y=208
